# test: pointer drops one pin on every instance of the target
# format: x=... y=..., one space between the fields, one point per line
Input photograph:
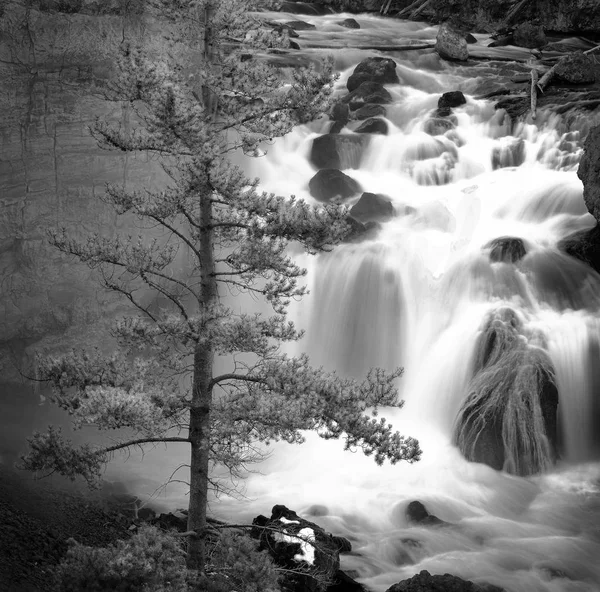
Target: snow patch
x=307 y=550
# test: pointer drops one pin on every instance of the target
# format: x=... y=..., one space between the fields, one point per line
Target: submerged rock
x=381 y=70
x=338 y=151
x=450 y=44
x=333 y=185
x=373 y=207
x=451 y=99
x=373 y=126
x=509 y=154
x=506 y=249
x=425 y=582
x=576 y=68
x=417 y=513
x=368 y=92
x=340 y=115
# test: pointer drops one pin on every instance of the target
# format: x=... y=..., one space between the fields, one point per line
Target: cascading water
x=419 y=294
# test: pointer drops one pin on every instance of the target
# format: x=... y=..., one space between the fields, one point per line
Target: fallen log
x=385 y=7
x=410 y=8
x=546 y=78
x=419 y=10
x=534 y=82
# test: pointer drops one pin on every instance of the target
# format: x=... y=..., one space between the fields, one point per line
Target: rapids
x=416 y=295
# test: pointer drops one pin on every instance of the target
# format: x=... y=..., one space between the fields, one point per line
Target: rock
x=367 y=92
x=529 y=35
x=585 y=246
x=300 y=25
x=338 y=151
x=502 y=41
x=374 y=125
x=349 y=23
x=294 y=45
x=451 y=99
x=333 y=185
x=450 y=44
x=292 y=550
x=308 y=8
x=438 y=126
x=381 y=70
x=281 y=28
x=416 y=513
x=370 y=110
x=425 y=582
x=373 y=207
x=589 y=172
x=506 y=249
x=576 y=68
x=470 y=39
x=340 y=114
x=508 y=155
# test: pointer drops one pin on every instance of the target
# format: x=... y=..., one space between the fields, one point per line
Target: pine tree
x=197 y=101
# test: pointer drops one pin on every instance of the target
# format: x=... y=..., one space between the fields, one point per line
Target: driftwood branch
x=385 y=7
x=546 y=78
x=411 y=8
x=534 y=82
x=419 y=10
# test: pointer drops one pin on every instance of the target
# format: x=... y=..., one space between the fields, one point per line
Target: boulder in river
x=338 y=151
x=370 y=110
x=373 y=207
x=449 y=100
x=416 y=513
x=584 y=245
x=506 y=249
x=425 y=582
x=349 y=23
x=367 y=92
x=576 y=68
x=333 y=185
x=375 y=125
x=450 y=44
x=340 y=115
x=589 y=172
x=529 y=35
x=300 y=25
x=381 y=70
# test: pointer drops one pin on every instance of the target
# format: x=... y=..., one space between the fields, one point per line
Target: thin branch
x=139 y=441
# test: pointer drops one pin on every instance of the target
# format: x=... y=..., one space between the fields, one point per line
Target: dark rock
x=576 y=68
x=282 y=28
x=331 y=184
x=342 y=544
x=342 y=582
x=381 y=70
x=589 y=172
x=438 y=126
x=294 y=45
x=372 y=207
x=506 y=249
x=338 y=151
x=367 y=92
x=349 y=23
x=529 y=35
x=416 y=513
x=373 y=126
x=502 y=41
x=470 y=39
x=450 y=44
x=425 y=582
x=451 y=99
x=300 y=25
x=370 y=110
x=585 y=246
x=511 y=154
x=340 y=114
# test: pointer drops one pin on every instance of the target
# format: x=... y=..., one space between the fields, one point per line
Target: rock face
x=529 y=35
x=372 y=207
x=451 y=44
x=338 y=151
x=576 y=68
x=589 y=172
x=425 y=582
x=331 y=184
x=381 y=70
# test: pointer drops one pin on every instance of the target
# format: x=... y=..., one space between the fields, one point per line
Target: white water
x=416 y=296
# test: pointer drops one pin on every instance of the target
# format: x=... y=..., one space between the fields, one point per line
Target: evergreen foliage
x=210 y=231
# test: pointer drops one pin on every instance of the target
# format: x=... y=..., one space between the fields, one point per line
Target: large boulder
x=506 y=249
x=381 y=70
x=529 y=35
x=584 y=245
x=417 y=513
x=333 y=185
x=425 y=582
x=367 y=92
x=450 y=44
x=300 y=25
x=340 y=115
x=349 y=23
x=375 y=125
x=373 y=207
x=370 y=110
x=338 y=151
x=589 y=172
x=449 y=100
x=576 y=68
x=309 y=555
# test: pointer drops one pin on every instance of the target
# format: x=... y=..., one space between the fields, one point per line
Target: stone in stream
x=367 y=92
x=576 y=68
x=438 y=126
x=529 y=35
x=373 y=207
x=381 y=70
x=299 y=25
x=470 y=39
x=338 y=151
x=449 y=100
x=340 y=115
x=506 y=249
x=425 y=582
x=450 y=44
x=370 y=110
x=583 y=245
x=374 y=125
x=333 y=185
x=416 y=513
x=349 y=23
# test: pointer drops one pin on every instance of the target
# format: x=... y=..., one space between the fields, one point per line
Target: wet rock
x=416 y=513
x=470 y=39
x=502 y=41
x=451 y=99
x=381 y=70
x=373 y=207
x=343 y=582
x=585 y=246
x=368 y=92
x=300 y=25
x=589 y=172
x=373 y=126
x=450 y=44
x=349 y=23
x=294 y=45
x=340 y=114
x=370 y=110
x=576 y=68
x=438 y=126
x=338 y=151
x=509 y=155
x=333 y=185
x=280 y=28
x=425 y=582
x=506 y=249
x=529 y=35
